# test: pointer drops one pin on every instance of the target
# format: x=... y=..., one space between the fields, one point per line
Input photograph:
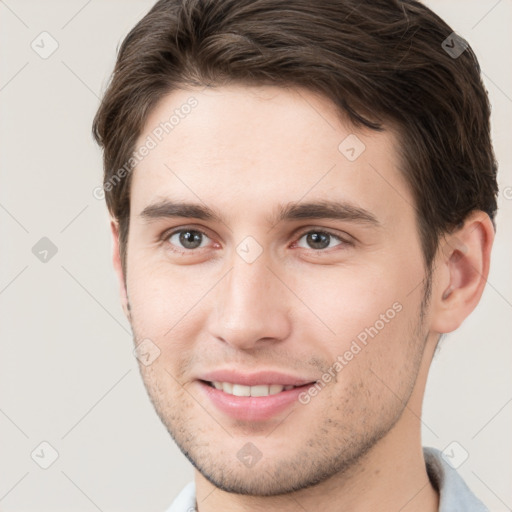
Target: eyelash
x=168 y=234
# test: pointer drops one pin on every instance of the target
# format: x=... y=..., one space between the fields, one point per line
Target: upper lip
x=253 y=379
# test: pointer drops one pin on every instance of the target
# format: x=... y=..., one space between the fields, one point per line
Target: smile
x=257 y=390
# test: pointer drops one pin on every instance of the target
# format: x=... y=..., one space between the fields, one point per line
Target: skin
x=242 y=152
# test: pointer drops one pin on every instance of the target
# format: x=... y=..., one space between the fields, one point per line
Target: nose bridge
x=250 y=304
x=246 y=285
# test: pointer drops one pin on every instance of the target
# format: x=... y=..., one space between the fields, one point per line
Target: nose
x=251 y=306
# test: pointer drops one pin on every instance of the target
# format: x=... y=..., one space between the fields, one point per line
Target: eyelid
x=319 y=229
x=164 y=237
x=345 y=239
x=171 y=231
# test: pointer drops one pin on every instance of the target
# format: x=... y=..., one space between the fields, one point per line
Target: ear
x=462 y=268
x=116 y=260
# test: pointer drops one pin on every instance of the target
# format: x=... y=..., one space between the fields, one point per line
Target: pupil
x=318 y=240
x=190 y=239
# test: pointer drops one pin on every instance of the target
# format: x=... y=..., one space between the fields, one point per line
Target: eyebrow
x=292 y=211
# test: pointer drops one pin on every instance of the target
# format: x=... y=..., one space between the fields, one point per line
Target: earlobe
x=116 y=261
x=462 y=268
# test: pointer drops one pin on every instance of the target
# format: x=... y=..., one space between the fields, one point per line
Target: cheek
x=348 y=299
x=372 y=316
x=165 y=299
x=330 y=305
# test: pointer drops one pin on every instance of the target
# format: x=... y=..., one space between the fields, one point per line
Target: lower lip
x=252 y=408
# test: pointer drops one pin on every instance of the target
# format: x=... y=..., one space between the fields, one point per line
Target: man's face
x=249 y=293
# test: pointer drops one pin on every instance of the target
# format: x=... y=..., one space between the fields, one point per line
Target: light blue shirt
x=454 y=494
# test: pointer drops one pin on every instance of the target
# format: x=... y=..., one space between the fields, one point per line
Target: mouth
x=252 y=396
x=256 y=403
x=258 y=390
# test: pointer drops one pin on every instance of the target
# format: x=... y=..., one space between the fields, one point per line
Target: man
x=303 y=198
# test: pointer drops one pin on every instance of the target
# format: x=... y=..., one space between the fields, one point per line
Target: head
x=291 y=183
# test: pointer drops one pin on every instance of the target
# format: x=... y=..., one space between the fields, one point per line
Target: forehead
x=250 y=146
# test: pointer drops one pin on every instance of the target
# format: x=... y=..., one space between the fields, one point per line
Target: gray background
x=67 y=372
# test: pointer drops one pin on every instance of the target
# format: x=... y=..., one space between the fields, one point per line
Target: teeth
x=259 y=390
x=239 y=390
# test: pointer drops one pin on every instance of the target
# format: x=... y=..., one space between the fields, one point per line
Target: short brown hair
x=381 y=62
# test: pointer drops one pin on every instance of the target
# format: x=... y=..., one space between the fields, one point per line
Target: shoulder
x=454 y=494
x=186 y=500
